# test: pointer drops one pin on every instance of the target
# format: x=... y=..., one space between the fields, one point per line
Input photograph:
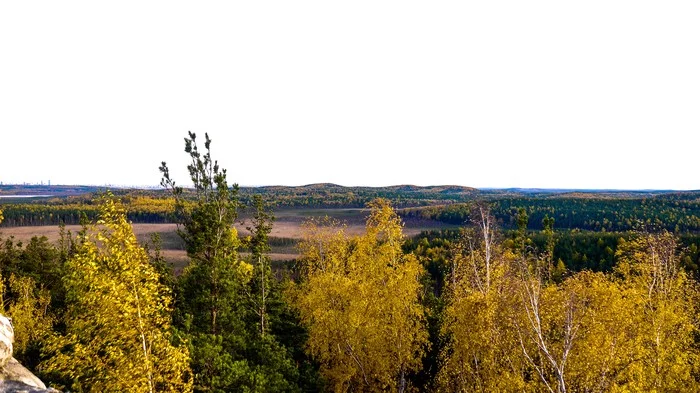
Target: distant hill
x=435 y=189
x=441 y=192
x=408 y=188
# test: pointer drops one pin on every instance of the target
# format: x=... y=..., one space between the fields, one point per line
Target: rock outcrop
x=15 y=378
x=7 y=338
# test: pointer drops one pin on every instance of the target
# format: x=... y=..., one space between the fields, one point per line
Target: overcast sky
x=556 y=94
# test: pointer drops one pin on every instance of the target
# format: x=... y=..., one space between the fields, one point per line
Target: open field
x=287 y=228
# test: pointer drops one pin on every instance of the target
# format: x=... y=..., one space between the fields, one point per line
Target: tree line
x=670 y=212
x=76 y=210
x=678 y=213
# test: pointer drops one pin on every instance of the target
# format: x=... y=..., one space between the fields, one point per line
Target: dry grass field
x=288 y=225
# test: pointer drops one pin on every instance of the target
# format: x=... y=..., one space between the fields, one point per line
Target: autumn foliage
x=631 y=330
x=359 y=298
x=117 y=336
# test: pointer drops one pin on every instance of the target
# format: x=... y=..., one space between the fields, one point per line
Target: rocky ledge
x=15 y=378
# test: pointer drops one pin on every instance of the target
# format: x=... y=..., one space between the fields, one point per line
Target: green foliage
x=678 y=212
x=226 y=306
x=38 y=261
x=161 y=266
x=259 y=292
x=581 y=250
x=210 y=285
x=209 y=302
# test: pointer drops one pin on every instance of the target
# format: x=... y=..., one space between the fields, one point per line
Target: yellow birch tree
x=359 y=299
x=117 y=323
x=481 y=353
x=664 y=311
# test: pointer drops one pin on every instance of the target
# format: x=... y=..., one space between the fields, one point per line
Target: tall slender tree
x=210 y=238
x=480 y=354
x=260 y=229
x=209 y=304
x=230 y=350
x=665 y=312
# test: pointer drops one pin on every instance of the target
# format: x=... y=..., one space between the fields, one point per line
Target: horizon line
x=529 y=188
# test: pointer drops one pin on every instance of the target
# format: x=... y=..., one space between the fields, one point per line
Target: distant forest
x=595 y=211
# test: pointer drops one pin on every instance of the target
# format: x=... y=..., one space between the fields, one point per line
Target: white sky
x=558 y=94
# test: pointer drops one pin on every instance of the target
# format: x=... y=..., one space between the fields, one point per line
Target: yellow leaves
x=118 y=318
x=663 y=311
x=29 y=312
x=324 y=247
x=233 y=237
x=383 y=224
x=149 y=204
x=359 y=300
x=629 y=331
x=245 y=270
x=481 y=346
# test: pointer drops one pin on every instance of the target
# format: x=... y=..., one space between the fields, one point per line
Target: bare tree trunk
x=351 y=352
x=485 y=225
x=144 y=346
x=402 y=381
x=262 y=298
x=530 y=294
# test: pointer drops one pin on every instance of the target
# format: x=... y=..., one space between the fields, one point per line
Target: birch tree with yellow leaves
x=117 y=326
x=664 y=310
x=631 y=331
x=575 y=336
x=510 y=326
x=359 y=298
x=481 y=352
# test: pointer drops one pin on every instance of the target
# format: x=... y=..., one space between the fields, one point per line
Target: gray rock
x=15 y=372
x=19 y=387
x=7 y=338
x=15 y=378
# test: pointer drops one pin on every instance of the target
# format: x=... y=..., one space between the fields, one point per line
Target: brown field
x=288 y=225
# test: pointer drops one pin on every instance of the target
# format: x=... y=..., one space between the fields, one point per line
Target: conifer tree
x=231 y=351
x=209 y=290
x=210 y=284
